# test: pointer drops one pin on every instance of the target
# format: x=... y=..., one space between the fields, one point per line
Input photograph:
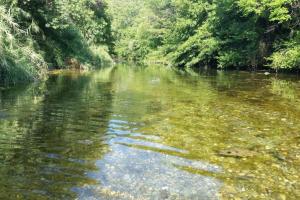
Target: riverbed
x=128 y=132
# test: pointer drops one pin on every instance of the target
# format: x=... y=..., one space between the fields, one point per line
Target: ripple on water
x=130 y=172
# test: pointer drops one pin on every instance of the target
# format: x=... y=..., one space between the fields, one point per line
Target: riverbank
x=36 y=37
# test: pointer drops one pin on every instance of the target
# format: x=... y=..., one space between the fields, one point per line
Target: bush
x=37 y=35
x=288 y=56
x=19 y=61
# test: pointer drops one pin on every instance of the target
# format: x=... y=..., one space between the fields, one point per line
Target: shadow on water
x=151 y=133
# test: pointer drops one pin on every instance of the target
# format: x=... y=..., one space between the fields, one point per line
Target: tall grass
x=19 y=61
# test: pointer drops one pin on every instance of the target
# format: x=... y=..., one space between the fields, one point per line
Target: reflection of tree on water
x=130 y=133
x=139 y=165
x=284 y=88
x=58 y=139
x=208 y=114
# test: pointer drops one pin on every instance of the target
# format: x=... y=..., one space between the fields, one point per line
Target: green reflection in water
x=44 y=132
x=62 y=134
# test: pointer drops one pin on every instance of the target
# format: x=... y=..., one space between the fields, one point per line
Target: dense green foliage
x=18 y=58
x=37 y=35
x=139 y=26
x=218 y=33
x=40 y=34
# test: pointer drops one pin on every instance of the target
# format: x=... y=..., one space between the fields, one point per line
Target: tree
x=41 y=34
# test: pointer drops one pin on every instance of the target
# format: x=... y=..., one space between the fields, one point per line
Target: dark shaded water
x=133 y=133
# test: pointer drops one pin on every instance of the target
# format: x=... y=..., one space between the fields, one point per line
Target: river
x=151 y=133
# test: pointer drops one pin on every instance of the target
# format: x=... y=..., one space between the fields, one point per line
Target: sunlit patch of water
x=128 y=171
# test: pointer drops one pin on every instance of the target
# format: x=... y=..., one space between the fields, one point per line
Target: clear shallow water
x=133 y=133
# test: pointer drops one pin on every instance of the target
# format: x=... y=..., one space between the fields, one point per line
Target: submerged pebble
x=237 y=153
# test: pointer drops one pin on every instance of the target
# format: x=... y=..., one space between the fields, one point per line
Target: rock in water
x=237 y=153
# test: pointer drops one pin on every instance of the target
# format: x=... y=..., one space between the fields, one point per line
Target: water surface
x=151 y=133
